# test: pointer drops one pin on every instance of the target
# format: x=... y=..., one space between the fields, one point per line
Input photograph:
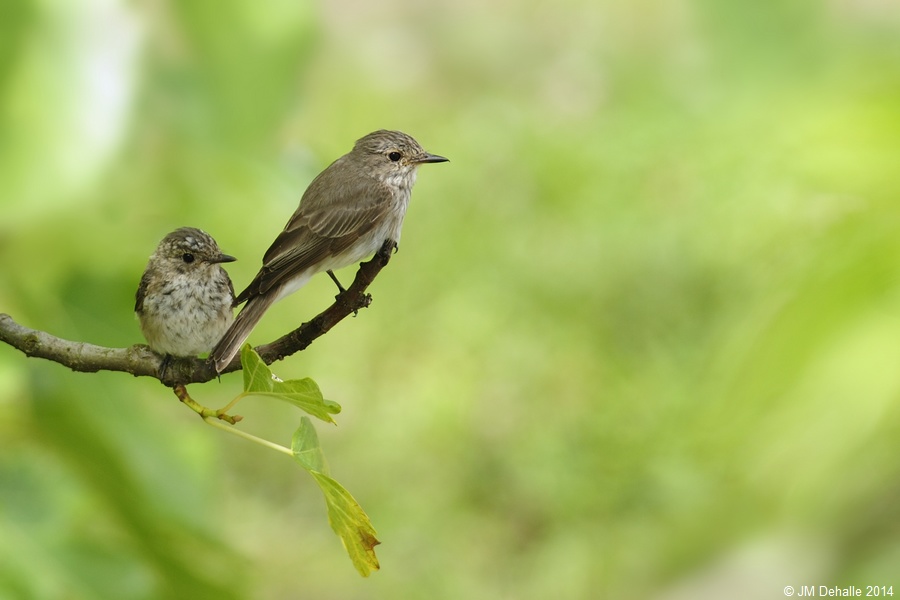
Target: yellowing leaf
x=347 y=518
x=350 y=523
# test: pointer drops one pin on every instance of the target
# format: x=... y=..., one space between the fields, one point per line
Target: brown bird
x=346 y=214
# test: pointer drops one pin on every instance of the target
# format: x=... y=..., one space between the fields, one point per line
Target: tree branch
x=140 y=361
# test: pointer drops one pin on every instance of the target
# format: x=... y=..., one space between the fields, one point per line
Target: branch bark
x=140 y=361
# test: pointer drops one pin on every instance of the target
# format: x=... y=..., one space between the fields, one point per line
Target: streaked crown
x=190 y=245
x=393 y=149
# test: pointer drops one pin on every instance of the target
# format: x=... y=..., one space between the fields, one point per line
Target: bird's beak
x=430 y=158
x=223 y=258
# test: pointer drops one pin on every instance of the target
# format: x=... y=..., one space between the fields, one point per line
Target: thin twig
x=206 y=413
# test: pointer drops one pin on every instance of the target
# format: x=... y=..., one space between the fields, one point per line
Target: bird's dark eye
x=394 y=156
x=187 y=257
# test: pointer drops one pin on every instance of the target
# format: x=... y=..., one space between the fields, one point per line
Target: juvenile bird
x=184 y=301
x=346 y=214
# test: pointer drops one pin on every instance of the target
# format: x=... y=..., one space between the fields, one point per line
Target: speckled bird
x=184 y=301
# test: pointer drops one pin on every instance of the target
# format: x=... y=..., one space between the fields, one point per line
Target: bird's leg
x=341 y=289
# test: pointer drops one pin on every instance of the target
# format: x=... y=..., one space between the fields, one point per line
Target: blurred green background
x=641 y=339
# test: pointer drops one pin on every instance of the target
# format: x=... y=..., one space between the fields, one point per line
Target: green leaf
x=302 y=393
x=306 y=448
x=347 y=518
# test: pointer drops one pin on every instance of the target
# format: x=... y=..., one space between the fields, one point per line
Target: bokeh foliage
x=641 y=338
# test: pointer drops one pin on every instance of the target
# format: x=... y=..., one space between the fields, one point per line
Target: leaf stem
x=231 y=404
x=213 y=421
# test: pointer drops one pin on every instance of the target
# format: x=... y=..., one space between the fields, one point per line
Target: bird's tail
x=240 y=330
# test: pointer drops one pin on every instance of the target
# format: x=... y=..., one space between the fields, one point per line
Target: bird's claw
x=387 y=249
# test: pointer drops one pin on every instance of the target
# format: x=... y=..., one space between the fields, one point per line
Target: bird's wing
x=230 y=283
x=319 y=230
x=141 y=292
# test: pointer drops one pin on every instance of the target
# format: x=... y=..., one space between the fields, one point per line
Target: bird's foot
x=388 y=248
x=164 y=365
